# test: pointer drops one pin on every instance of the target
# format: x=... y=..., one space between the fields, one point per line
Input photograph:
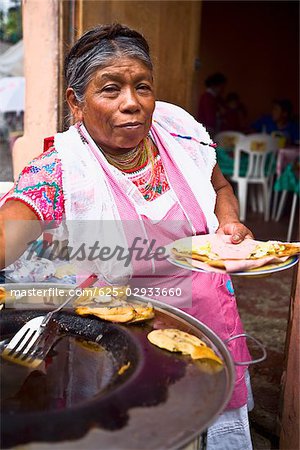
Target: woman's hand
x=237 y=230
x=227 y=210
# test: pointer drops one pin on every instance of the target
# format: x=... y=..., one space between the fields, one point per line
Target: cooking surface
x=160 y=400
x=52 y=387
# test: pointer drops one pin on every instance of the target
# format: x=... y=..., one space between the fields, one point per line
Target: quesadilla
x=276 y=248
x=2 y=294
x=217 y=251
x=101 y=295
x=175 y=340
x=2 y=297
x=124 y=312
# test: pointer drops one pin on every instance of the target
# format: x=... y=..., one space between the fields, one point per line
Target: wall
x=256 y=45
x=172 y=29
x=40 y=29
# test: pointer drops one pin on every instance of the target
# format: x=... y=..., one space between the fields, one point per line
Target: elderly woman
x=131 y=159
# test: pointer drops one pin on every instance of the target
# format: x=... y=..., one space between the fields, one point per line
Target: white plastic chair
x=228 y=139
x=259 y=169
x=292 y=217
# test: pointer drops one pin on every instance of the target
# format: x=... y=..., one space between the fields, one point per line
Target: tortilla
x=181 y=254
x=2 y=294
x=218 y=251
x=2 y=297
x=112 y=314
x=276 y=248
x=124 y=313
x=101 y=294
x=175 y=340
x=143 y=312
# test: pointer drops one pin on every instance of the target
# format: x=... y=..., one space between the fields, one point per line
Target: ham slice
x=221 y=245
x=235 y=257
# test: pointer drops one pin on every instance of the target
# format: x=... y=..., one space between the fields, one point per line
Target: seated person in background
x=235 y=114
x=279 y=120
x=211 y=103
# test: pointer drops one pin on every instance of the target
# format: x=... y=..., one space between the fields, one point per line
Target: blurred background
x=253 y=46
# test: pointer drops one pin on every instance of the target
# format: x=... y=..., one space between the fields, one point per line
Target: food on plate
x=276 y=248
x=200 y=254
x=122 y=313
x=176 y=340
x=65 y=270
x=2 y=294
x=124 y=368
x=2 y=297
x=101 y=294
x=206 y=353
x=143 y=312
x=218 y=251
x=89 y=345
x=112 y=314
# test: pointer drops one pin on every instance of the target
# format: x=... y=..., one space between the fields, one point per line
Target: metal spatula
x=33 y=341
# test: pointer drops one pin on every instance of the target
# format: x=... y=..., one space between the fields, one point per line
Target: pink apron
x=211 y=296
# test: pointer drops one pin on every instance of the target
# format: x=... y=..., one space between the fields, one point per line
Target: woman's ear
x=74 y=105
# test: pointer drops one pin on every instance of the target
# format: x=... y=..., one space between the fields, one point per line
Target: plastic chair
x=255 y=164
x=228 y=139
x=280 y=138
x=288 y=182
x=226 y=142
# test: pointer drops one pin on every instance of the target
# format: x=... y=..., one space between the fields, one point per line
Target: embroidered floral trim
x=140 y=179
x=40 y=186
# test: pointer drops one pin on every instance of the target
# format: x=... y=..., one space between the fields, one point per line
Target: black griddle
x=161 y=401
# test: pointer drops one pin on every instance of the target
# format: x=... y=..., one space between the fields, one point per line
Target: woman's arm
x=19 y=225
x=227 y=209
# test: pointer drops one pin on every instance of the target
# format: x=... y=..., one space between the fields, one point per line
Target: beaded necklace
x=137 y=159
x=130 y=160
x=150 y=183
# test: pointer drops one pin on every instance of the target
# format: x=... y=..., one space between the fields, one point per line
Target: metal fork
x=33 y=341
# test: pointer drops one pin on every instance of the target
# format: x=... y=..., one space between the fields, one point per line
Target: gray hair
x=97 y=48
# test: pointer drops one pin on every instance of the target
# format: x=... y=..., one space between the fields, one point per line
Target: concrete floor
x=263 y=305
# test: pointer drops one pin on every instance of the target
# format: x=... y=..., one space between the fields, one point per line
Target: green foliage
x=11 y=22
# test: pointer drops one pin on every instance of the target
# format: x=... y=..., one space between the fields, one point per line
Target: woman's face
x=118 y=105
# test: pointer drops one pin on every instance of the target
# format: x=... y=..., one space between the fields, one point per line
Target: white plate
x=267 y=270
x=260 y=271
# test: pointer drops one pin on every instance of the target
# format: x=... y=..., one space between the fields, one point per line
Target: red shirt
x=208 y=109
